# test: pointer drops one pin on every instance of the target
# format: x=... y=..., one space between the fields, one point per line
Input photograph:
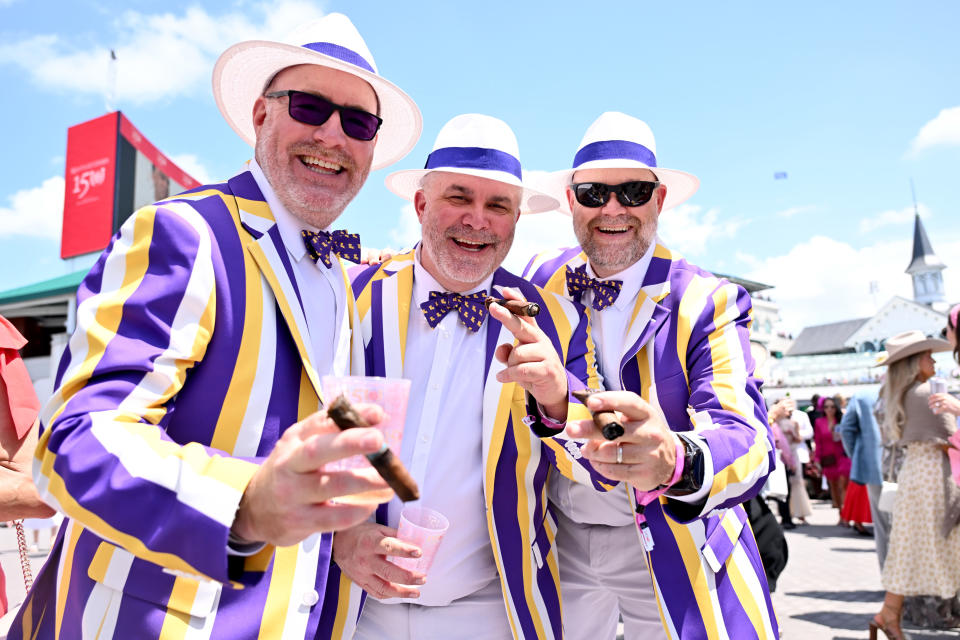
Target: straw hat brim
x=930 y=344
x=243 y=70
x=406 y=184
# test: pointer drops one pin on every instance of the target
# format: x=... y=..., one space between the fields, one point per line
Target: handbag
x=7 y=619
x=888 y=496
x=828 y=460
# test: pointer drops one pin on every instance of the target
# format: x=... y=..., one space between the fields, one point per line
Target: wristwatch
x=691 y=479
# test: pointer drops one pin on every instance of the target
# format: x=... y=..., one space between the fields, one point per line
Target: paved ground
x=829 y=590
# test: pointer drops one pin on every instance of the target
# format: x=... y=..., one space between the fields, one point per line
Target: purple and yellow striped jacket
x=516 y=462
x=190 y=358
x=689 y=356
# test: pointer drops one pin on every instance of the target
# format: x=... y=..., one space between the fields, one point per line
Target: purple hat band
x=474 y=158
x=340 y=53
x=615 y=150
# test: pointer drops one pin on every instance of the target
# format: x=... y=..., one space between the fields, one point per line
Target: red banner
x=90 y=176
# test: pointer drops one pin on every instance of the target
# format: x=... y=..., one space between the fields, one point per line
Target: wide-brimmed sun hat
x=242 y=72
x=476 y=145
x=903 y=345
x=618 y=141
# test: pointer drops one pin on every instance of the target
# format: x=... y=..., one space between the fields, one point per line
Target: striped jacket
x=689 y=356
x=190 y=358
x=516 y=462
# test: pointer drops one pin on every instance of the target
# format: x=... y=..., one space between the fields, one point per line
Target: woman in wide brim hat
x=923 y=557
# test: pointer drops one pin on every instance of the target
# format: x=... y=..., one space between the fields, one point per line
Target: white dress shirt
x=442 y=444
x=323 y=291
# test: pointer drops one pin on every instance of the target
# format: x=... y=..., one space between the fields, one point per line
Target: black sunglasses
x=314 y=110
x=630 y=194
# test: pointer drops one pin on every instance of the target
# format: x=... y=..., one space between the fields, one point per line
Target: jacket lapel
x=648 y=314
x=266 y=247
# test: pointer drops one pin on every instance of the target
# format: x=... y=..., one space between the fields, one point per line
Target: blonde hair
x=901 y=376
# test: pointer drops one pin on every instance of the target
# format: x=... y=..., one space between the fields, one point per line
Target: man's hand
x=369 y=255
x=649 y=447
x=944 y=403
x=532 y=362
x=361 y=552
x=287 y=498
x=781 y=409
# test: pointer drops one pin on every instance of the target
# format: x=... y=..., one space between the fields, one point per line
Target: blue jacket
x=861 y=438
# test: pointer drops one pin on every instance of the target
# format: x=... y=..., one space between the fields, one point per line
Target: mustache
x=623 y=220
x=330 y=155
x=471 y=235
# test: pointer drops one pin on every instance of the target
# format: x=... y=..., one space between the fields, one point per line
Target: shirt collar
x=632 y=277
x=288 y=224
x=424 y=283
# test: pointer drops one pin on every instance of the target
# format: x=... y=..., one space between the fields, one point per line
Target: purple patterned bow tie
x=319 y=245
x=470 y=307
x=605 y=292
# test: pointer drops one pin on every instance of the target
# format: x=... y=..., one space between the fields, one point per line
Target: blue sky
x=851 y=100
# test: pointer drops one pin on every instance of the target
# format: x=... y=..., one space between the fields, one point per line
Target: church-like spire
x=925 y=266
x=923 y=258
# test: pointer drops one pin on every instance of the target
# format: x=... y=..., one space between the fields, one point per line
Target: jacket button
x=310 y=598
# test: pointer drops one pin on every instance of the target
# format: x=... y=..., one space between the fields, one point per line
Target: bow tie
x=319 y=245
x=605 y=292
x=471 y=309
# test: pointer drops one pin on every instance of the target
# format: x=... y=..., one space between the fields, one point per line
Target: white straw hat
x=476 y=145
x=244 y=70
x=618 y=141
x=908 y=343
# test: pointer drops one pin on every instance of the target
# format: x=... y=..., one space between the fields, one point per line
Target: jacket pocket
x=723 y=533
x=541 y=546
x=121 y=571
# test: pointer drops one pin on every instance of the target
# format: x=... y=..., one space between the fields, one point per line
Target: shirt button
x=310 y=598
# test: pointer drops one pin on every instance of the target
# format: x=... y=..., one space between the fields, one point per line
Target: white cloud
x=688 y=228
x=36 y=212
x=902 y=217
x=146 y=44
x=192 y=165
x=824 y=280
x=407 y=231
x=792 y=211
x=942 y=130
x=537 y=233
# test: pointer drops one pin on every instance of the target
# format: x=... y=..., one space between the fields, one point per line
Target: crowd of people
x=187 y=442
x=882 y=459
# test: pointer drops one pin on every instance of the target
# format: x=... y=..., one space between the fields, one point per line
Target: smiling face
x=928 y=367
x=314 y=170
x=614 y=236
x=467 y=227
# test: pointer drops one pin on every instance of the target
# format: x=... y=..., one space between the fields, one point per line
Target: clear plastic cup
x=425 y=528
x=391 y=395
x=938 y=385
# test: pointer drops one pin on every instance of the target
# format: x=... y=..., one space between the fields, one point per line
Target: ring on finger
x=619 y=453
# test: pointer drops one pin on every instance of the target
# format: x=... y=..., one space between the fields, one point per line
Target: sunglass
x=314 y=110
x=630 y=194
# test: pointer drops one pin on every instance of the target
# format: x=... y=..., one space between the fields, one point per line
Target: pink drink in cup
x=391 y=395
x=425 y=528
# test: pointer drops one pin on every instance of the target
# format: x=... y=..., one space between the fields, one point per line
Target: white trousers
x=479 y=616
x=603 y=575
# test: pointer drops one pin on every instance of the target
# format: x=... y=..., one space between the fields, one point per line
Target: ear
x=259 y=114
x=419 y=204
x=661 y=195
x=570 y=197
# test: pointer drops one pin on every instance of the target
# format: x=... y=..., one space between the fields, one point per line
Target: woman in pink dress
x=829 y=452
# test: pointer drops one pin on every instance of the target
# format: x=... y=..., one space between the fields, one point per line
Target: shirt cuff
x=704 y=491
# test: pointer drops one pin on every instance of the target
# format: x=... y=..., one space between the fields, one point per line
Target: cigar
x=516 y=307
x=606 y=421
x=387 y=465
